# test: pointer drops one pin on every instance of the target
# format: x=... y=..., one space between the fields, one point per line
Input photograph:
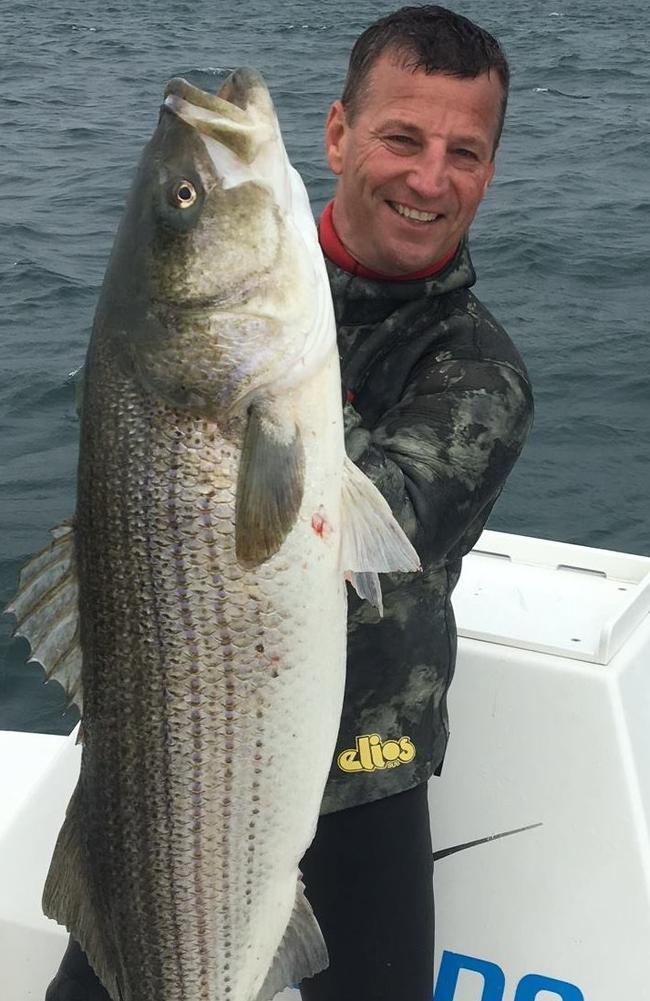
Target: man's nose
x=429 y=174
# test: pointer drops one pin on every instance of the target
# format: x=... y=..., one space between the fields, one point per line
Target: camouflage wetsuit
x=440 y=406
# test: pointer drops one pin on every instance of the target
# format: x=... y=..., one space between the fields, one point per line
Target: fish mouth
x=240 y=85
x=239 y=116
x=230 y=100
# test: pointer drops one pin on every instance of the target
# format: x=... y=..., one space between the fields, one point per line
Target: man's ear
x=335 y=133
x=489 y=178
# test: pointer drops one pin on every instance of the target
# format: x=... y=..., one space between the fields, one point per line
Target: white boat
x=541 y=819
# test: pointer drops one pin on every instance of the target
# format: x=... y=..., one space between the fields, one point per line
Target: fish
x=195 y=605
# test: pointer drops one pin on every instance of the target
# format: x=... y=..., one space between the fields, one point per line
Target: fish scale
x=210 y=670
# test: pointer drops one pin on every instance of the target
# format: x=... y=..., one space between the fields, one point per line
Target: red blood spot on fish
x=320 y=524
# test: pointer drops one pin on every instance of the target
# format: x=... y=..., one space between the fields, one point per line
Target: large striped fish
x=199 y=592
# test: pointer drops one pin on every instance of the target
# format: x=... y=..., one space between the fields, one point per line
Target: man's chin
x=401 y=257
x=401 y=266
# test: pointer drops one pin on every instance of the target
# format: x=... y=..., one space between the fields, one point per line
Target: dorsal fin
x=46 y=608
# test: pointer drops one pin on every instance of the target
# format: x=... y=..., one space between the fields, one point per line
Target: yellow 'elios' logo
x=372 y=752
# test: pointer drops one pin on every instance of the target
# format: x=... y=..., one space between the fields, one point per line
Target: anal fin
x=302 y=952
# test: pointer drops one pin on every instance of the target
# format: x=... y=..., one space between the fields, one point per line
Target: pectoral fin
x=372 y=541
x=46 y=608
x=367 y=587
x=302 y=952
x=269 y=486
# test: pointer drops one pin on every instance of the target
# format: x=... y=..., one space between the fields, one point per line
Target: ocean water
x=561 y=244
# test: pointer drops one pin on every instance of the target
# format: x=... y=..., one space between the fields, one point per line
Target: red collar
x=333 y=248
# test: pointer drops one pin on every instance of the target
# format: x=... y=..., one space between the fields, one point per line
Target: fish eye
x=183 y=194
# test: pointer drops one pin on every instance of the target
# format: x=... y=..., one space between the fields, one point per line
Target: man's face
x=414 y=166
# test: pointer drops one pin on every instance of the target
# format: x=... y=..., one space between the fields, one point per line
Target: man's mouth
x=415 y=214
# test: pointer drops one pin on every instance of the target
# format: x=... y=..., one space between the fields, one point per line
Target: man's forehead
x=401 y=75
x=395 y=90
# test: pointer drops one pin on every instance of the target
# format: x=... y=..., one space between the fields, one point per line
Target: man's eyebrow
x=399 y=125
x=468 y=141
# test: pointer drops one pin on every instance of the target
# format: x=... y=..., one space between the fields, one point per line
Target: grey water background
x=561 y=244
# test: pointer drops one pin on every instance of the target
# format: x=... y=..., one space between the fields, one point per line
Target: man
x=438 y=406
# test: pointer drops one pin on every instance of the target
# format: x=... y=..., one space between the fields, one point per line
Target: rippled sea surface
x=561 y=244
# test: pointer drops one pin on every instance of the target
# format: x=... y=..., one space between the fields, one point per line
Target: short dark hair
x=429 y=38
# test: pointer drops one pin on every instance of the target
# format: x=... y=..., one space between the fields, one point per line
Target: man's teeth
x=413 y=213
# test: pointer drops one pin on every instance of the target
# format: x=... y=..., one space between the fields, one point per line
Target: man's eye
x=401 y=140
x=466 y=154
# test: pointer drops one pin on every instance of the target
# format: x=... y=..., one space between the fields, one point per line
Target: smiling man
x=437 y=408
x=413 y=161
